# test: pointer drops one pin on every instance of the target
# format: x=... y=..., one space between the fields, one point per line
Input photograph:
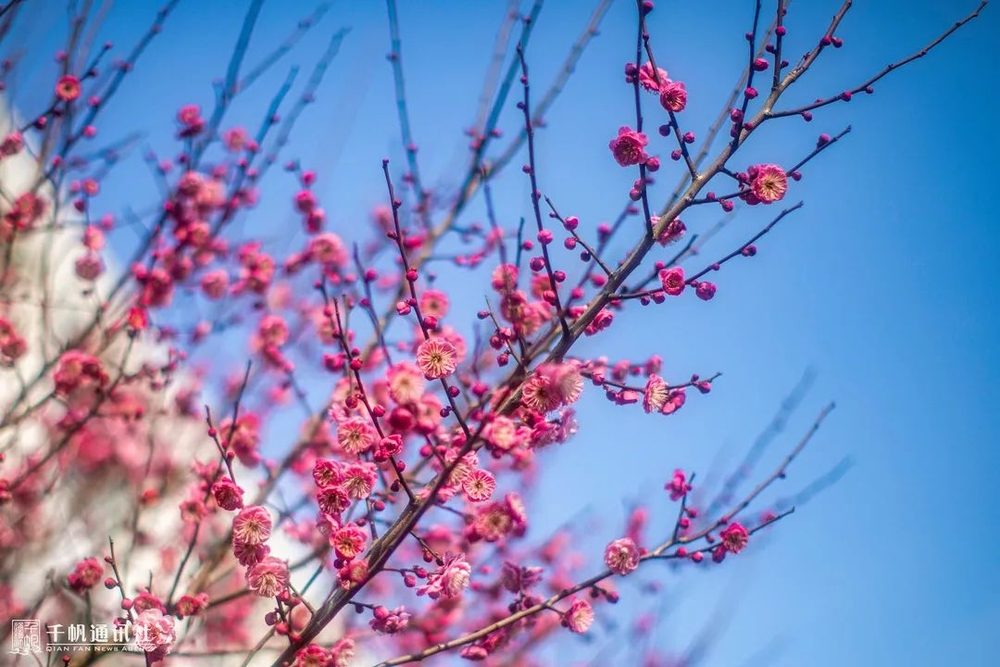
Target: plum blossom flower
x=191 y=605
x=655 y=394
x=252 y=525
x=25 y=212
x=268 y=578
x=568 y=382
x=672 y=280
x=504 y=278
x=551 y=386
x=78 y=370
x=673 y=96
x=327 y=474
x=12 y=345
x=189 y=117
x=349 y=541
x=621 y=556
x=650 y=82
x=313 y=656
x=479 y=485
x=250 y=554
x=145 y=600
x=406 y=382
x=85 y=575
x=628 y=147
x=514 y=505
x=491 y=523
x=215 y=283
x=434 y=303
x=227 y=494
x=305 y=201
x=503 y=433
x=389 y=622
x=768 y=184
x=243 y=437
x=11 y=144
x=390 y=445
x=333 y=500
x=705 y=291
x=579 y=617
x=449 y=580
x=356 y=435
x=154 y=633
x=675 y=401
x=89 y=266
x=329 y=250
x=359 y=480
x=735 y=537
x=437 y=358
x=235 y=139
x=462 y=467
x=68 y=88
x=342 y=653
x=678 y=486
x=272 y=331
x=353 y=572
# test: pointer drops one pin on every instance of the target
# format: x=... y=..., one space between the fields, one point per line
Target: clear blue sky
x=881 y=282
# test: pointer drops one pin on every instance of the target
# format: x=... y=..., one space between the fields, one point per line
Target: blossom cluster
x=309 y=443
